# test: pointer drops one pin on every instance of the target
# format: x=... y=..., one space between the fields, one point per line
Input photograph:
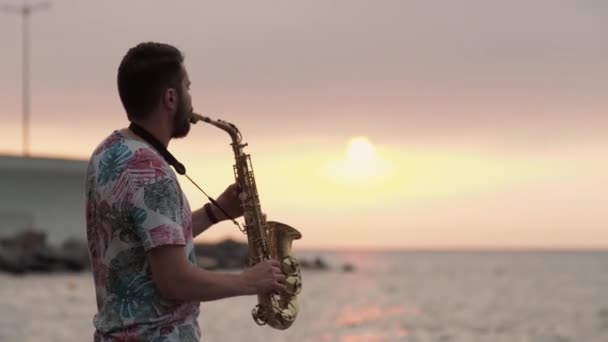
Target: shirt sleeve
x=156 y=213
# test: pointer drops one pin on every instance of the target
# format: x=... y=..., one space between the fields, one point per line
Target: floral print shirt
x=134 y=203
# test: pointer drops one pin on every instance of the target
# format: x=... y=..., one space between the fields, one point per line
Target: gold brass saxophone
x=266 y=239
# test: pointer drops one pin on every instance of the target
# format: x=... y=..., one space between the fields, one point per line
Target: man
x=139 y=224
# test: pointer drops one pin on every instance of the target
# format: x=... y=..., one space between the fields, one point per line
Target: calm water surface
x=391 y=296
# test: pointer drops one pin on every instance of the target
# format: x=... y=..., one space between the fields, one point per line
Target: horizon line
x=435 y=248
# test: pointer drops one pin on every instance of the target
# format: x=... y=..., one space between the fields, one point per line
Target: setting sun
x=360 y=166
x=360 y=150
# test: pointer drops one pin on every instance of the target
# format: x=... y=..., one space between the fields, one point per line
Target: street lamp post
x=25 y=11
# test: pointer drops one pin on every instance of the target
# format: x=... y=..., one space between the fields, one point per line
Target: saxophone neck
x=226 y=126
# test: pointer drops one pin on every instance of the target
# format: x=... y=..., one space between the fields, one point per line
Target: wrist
x=218 y=213
x=211 y=214
x=244 y=285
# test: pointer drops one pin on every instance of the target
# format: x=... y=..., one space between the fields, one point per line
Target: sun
x=360 y=150
x=360 y=166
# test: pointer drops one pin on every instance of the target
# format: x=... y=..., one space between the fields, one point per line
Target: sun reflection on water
x=355 y=316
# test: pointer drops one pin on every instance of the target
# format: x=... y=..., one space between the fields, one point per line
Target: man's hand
x=229 y=200
x=264 y=277
x=176 y=278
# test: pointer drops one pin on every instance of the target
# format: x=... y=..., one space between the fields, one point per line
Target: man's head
x=152 y=81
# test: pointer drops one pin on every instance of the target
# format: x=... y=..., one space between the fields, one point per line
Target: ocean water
x=391 y=296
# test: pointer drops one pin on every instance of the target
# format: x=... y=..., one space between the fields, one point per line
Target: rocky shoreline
x=29 y=252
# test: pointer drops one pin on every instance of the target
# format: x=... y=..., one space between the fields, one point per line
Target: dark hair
x=145 y=72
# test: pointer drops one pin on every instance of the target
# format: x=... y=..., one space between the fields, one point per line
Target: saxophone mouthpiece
x=221 y=124
x=196 y=117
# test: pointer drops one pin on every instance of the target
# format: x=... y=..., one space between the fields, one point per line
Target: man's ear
x=170 y=98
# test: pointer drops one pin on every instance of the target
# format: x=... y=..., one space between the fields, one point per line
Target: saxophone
x=265 y=239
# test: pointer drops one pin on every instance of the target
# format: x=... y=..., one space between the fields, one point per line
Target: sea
x=416 y=296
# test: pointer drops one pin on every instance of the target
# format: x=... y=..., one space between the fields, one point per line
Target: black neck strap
x=150 y=139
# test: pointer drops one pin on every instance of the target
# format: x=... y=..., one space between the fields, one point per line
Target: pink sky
x=490 y=117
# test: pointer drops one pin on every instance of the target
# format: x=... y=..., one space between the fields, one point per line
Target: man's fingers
x=236 y=188
x=274 y=262
x=280 y=287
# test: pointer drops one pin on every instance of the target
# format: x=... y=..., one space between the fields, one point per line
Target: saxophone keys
x=248 y=216
x=293 y=285
x=258 y=315
x=290 y=266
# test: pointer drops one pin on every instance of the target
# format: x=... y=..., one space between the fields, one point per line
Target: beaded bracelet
x=212 y=218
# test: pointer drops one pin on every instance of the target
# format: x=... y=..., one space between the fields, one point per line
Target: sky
x=386 y=124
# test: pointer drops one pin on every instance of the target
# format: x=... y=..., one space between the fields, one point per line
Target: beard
x=181 y=121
